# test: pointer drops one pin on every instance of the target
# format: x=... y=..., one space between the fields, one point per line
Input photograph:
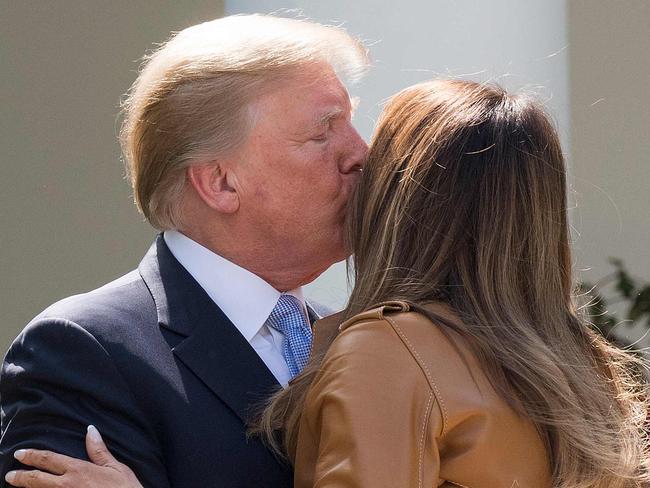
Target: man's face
x=298 y=168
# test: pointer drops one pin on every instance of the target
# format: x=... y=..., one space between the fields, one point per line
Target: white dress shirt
x=245 y=298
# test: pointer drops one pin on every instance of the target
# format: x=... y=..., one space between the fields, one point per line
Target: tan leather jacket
x=400 y=404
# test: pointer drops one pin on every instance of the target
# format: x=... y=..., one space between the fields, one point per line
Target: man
x=240 y=148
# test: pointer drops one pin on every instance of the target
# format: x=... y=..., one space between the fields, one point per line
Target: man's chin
x=339 y=254
x=324 y=266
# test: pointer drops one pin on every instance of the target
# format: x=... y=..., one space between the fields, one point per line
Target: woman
x=462 y=360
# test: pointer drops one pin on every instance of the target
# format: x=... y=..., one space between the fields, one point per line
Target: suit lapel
x=312 y=314
x=220 y=356
x=213 y=348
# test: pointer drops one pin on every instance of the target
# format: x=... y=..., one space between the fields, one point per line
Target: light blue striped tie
x=288 y=318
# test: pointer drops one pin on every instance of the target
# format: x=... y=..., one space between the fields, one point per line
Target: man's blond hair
x=190 y=102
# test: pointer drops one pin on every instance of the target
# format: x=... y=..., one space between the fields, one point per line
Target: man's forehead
x=322 y=103
x=331 y=99
x=319 y=79
x=311 y=96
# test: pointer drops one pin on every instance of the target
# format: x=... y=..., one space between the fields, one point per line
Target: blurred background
x=67 y=217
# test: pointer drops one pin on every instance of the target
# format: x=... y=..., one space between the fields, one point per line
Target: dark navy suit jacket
x=153 y=363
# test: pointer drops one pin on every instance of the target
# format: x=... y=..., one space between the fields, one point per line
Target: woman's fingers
x=97 y=450
x=101 y=456
x=32 y=479
x=104 y=470
x=46 y=460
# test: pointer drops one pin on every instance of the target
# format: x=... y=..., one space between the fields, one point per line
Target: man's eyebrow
x=324 y=118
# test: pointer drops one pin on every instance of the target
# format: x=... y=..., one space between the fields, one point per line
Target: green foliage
x=628 y=290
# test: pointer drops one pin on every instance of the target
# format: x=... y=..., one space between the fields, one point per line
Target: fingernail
x=94 y=434
x=10 y=476
x=20 y=454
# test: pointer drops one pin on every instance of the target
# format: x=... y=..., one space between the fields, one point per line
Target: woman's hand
x=59 y=471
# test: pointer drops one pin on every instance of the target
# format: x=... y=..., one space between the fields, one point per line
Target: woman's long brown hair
x=463 y=201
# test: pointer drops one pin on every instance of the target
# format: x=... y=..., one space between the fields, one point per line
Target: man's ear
x=213 y=183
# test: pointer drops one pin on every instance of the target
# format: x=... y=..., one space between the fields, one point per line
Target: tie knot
x=287 y=315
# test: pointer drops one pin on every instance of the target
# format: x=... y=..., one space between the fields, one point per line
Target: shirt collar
x=245 y=298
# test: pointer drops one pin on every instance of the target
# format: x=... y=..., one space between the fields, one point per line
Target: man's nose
x=357 y=152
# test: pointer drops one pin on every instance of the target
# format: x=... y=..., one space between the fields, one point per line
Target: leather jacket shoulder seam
x=425 y=369
x=421 y=444
x=376 y=313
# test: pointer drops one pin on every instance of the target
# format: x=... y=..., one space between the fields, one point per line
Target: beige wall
x=68 y=223
x=609 y=59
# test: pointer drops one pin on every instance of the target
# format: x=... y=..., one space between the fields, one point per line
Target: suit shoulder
x=120 y=303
